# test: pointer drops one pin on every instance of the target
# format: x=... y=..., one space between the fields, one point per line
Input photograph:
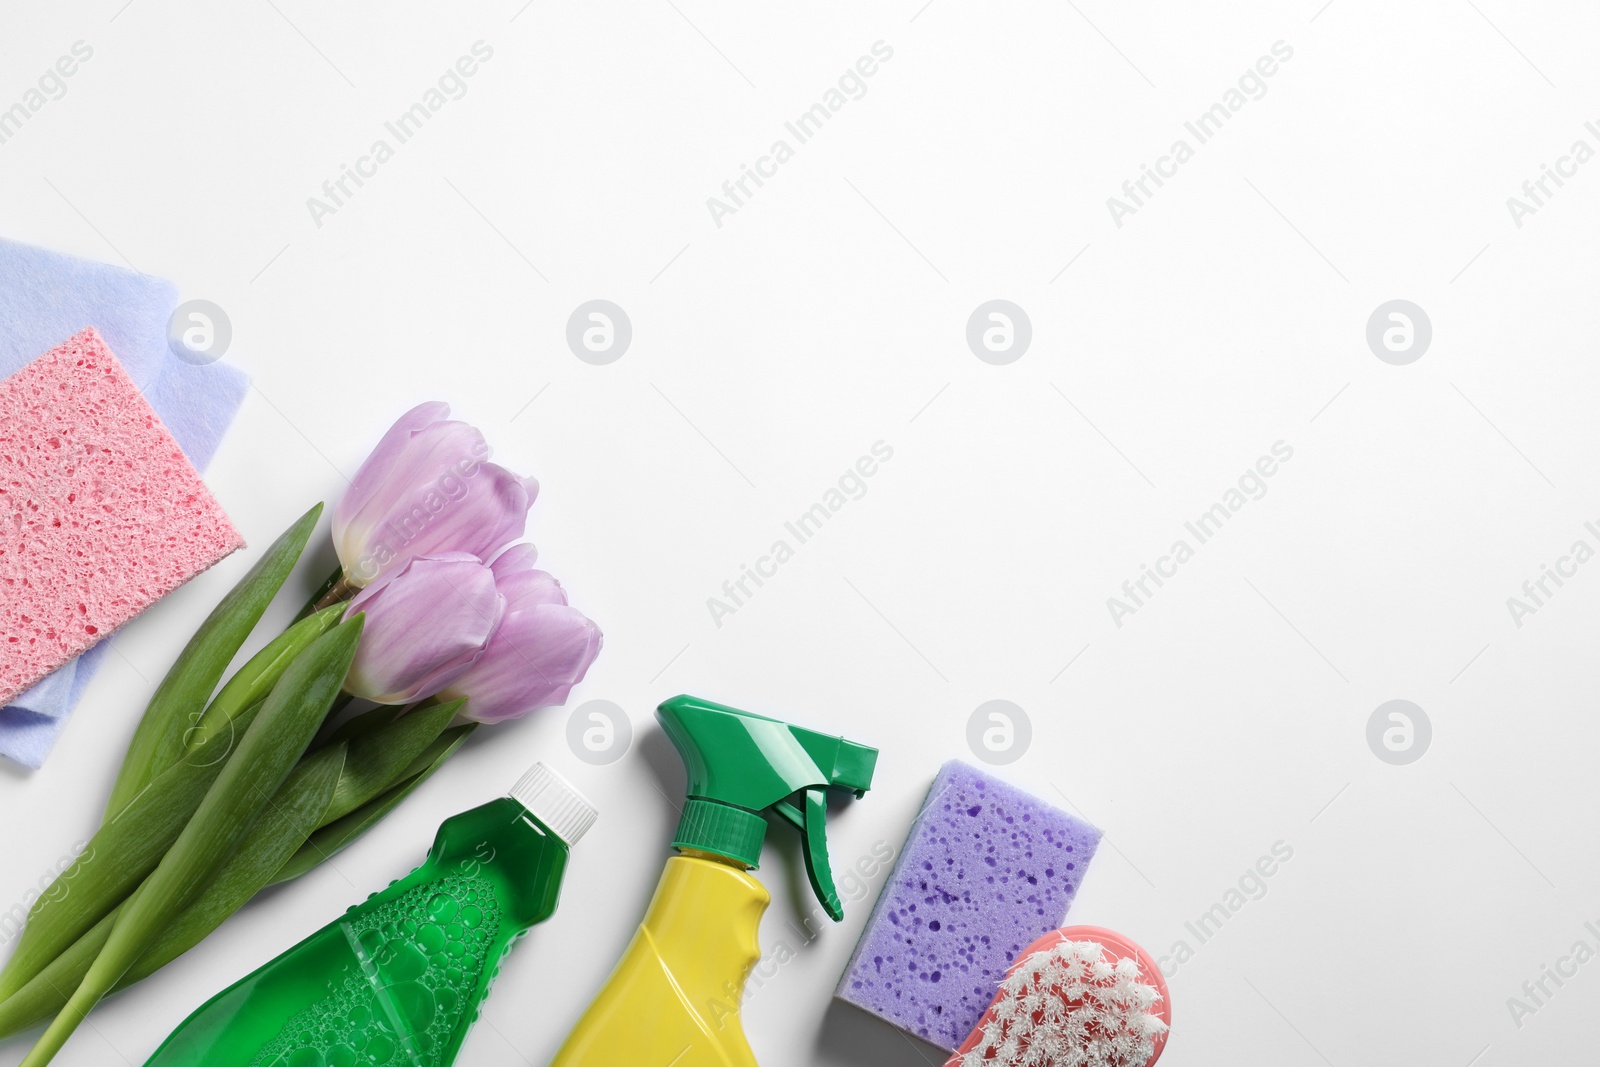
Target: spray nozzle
x=741 y=765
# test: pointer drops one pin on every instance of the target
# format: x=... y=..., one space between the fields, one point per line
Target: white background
x=828 y=313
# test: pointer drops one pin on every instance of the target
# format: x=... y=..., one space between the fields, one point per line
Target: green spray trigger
x=741 y=765
x=812 y=822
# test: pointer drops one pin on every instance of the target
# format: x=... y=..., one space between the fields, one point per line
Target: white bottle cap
x=552 y=800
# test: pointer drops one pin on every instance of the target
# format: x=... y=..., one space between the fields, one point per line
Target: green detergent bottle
x=398 y=980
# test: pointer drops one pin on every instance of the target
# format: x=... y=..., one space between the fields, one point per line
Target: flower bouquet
x=434 y=617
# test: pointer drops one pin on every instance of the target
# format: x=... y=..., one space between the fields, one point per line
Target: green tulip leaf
x=378 y=758
x=296 y=810
x=252 y=682
x=115 y=860
x=158 y=741
x=266 y=754
x=334 y=837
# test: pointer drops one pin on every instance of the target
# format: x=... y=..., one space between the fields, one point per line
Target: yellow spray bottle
x=674 y=997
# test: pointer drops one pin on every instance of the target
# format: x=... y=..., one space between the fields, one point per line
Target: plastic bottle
x=398 y=980
x=674 y=998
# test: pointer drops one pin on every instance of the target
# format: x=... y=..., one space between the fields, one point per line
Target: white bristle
x=1071 y=1006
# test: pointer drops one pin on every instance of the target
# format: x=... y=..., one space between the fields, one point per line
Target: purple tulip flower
x=542 y=649
x=428 y=621
x=428 y=488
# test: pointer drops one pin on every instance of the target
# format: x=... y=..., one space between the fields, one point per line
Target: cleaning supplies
x=47 y=296
x=1079 y=997
x=398 y=980
x=100 y=513
x=987 y=869
x=674 y=997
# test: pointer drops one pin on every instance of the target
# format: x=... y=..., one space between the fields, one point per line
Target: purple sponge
x=986 y=870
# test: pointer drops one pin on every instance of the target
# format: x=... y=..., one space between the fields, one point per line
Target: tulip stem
x=341 y=590
x=310 y=606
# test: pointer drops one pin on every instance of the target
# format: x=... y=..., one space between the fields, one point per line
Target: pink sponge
x=100 y=513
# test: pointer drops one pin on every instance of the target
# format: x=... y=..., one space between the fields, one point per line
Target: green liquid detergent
x=398 y=981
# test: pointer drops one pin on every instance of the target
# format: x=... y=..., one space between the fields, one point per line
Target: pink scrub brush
x=1078 y=997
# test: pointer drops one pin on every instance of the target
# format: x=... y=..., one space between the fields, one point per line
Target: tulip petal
x=522 y=584
x=427 y=623
x=542 y=649
x=519 y=557
x=491 y=511
x=426 y=489
x=527 y=588
x=369 y=479
x=540 y=652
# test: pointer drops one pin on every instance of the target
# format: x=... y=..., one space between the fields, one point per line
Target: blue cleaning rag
x=45 y=298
